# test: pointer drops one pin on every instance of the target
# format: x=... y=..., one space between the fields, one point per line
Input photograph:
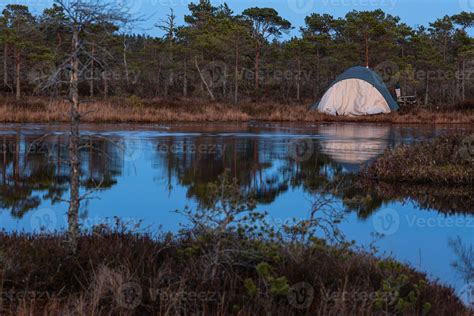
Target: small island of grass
x=446 y=160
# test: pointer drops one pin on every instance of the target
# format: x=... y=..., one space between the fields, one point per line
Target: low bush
x=121 y=272
x=445 y=160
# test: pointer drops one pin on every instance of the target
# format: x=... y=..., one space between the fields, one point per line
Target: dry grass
x=185 y=110
x=445 y=160
x=172 y=275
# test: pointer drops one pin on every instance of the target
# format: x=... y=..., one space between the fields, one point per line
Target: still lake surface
x=146 y=172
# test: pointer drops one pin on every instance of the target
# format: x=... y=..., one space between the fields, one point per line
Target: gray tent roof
x=363 y=73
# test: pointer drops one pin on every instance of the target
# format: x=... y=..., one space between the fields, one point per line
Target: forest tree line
x=220 y=55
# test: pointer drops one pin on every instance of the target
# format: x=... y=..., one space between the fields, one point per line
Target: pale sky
x=412 y=12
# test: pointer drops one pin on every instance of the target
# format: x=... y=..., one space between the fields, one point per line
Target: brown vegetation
x=121 y=273
x=445 y=160
x=186 y=110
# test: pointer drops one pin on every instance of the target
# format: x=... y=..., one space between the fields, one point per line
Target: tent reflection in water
x=358 y=91
x=351 y=145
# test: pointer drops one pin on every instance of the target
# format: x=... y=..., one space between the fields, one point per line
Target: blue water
x=153 y=170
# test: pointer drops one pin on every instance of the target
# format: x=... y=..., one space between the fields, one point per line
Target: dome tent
x=358 y=91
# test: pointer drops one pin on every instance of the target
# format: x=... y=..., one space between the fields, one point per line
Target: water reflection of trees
x=35 y=168
x=195 y=162
x=261 y=165
x=446 y=199
x=264 y=169
x=365 y=196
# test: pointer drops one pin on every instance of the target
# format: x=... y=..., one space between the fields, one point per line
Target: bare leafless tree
x=83 y=18
x=169 y=27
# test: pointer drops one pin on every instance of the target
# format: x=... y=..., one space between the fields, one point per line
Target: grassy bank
x=122 y=273
x=445 y=160
x=187 y=110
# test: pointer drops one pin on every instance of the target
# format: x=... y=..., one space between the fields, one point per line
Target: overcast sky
x=412 y=12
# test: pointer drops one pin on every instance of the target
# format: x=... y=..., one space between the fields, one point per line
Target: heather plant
x=444 y=160
x=127 y=273
x=403 y=294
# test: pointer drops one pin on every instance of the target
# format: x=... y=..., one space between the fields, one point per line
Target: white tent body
x=353 y=97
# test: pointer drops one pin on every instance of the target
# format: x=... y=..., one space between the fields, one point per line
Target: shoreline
x=196 y=111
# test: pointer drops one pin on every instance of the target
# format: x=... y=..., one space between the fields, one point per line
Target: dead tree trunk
x=73 y=211
x=236 y=79
x=106 y=85
x=17 y=73
x=125 y=62
x=298 y=81
x=91 y=79
x=185 y=78
x=367 y=51
x=318 y=75
x=427 y=91
x=224 y=83
x=203 y=80
x=257 y=66
x=463 y=80
x=5 y=65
